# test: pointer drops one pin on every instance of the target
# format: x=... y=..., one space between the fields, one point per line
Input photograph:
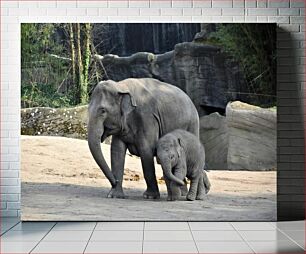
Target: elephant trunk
x=94 y=143
x=167 y=169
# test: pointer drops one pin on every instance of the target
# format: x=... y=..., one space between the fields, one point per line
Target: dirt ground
x=61 y=181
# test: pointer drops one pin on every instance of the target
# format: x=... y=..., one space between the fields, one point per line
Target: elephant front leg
x=169 y=192
x=184 y=188
x=193 y=189
x=118 y=150
x=147 y=161
x=177 y=190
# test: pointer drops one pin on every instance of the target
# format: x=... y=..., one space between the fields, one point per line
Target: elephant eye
x=102 y=111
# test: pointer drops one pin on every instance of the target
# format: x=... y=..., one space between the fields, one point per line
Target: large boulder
x=214 y=137
x=209 y=77
x=252 y=137
x=243 y=140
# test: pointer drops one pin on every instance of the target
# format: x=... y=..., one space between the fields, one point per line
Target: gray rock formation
x=206 y=30
x=214 y=137
x=209 y=77
x=158 y=38
x=65 y=122
x=252 y=137
x=243 y=140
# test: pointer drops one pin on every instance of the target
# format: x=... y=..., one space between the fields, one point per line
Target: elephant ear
x=127 y=104
x=179 y=147
x=125 y=91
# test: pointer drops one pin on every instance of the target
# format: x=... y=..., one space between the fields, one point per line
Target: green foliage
x=37 y=94
x=48 y=65
x=37 y=42
x=43 y=75
x=253 y=47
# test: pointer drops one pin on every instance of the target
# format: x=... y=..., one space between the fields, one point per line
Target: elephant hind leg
x=201 y=188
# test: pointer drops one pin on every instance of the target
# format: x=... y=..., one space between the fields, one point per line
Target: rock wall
x=209 y=77
x=252 y=137
x=157 y=38
x=65 y=122
x=214 y=137
x=243 y=140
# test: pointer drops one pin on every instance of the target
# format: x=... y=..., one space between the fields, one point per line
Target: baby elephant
x=181 y=155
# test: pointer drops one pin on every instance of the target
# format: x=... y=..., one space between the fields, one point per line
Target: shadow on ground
x=56 y=201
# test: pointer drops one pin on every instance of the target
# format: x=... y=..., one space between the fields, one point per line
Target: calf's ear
x=179 y=141
x=179 y=148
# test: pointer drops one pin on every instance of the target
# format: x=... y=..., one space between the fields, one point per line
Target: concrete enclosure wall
x=288 y=14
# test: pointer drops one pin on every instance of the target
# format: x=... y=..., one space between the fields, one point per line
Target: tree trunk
x=79 y=62
x=72 y=49
x=84 y=87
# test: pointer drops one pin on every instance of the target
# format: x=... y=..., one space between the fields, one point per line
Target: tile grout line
x=143 y=232
x=290 y=238
x=247 y=243
x=232 y=226
x=272 y=224
x=193 y=237
x=90 y=237
x=42 y=238
x=10 y=228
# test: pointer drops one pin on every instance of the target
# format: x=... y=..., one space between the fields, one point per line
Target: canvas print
x=154 y=122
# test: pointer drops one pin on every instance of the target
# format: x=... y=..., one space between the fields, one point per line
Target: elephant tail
x=206 y=167
x=206 y=181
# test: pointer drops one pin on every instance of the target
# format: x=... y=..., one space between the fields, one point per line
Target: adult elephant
x=136 y=112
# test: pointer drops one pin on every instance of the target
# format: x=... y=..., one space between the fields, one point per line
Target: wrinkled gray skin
x=136 y=112
x=181 y=155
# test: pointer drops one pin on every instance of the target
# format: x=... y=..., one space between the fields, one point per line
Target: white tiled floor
x=167 y=236
x=120 y=226
x=114 y=247
x=224 y=247
x=223 y=236
x=152 y=237
x=60 y=247
x=169 y=247
x=67 y=236
x=129 y=236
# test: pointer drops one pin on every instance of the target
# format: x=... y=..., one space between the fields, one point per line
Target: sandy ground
x=60 y=181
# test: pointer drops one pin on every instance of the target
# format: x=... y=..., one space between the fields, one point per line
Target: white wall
x=289 y=14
